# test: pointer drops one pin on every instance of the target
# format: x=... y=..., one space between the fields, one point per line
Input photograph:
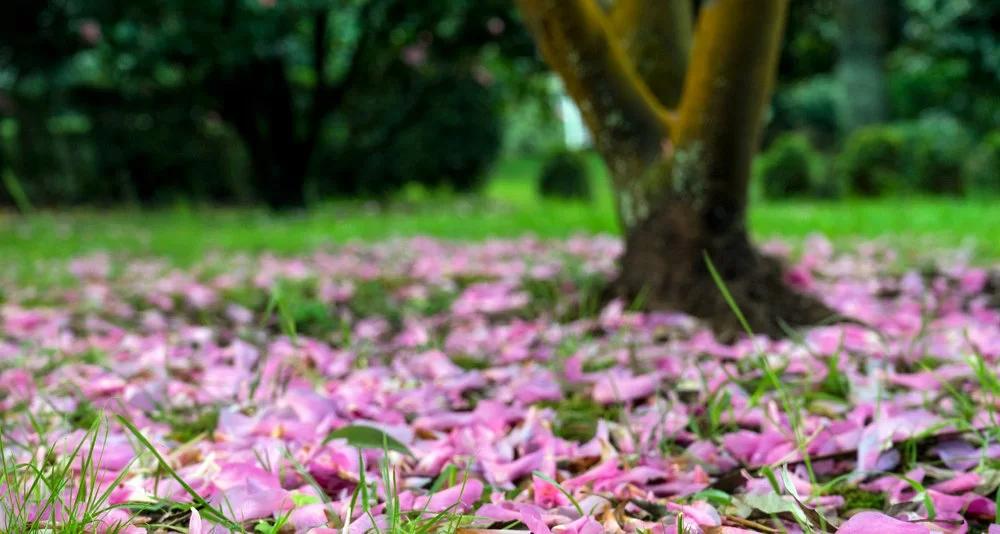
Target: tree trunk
x=664 y=264
x=864 y=30
x=680 y=158
x=258 y=102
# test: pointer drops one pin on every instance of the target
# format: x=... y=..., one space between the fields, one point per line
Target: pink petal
x=584 y=525
x=957 y=454
x=609 y=390
x=531 y=517
x=876 y=523
x=507 y=473
x=365 y=524
x=700 y=513
x=969 y=503
x=498 y=512
x=308 y=516
x=454 y=497
x=195 y=524
x=252 y=500
x=962 y=483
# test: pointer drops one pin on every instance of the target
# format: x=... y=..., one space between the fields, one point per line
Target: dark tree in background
x=35 y=40
x=316 y=94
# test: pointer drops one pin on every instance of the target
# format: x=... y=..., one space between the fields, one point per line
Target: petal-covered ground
x=507 y=399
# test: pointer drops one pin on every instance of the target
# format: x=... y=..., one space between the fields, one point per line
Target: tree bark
x=681 y=177
x=627 y=123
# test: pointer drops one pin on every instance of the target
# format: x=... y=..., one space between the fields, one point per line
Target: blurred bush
x=949 y=58
x=943 y=54
x=790 y=168
x=916 y=83
x=566 y=175
x=153 y=102
x=812 y=106
x=257 y=101
x=118 y=150
x=810 y=43
x=982 y=168
x=871 y=162
x=936 y=147
x=448 y=136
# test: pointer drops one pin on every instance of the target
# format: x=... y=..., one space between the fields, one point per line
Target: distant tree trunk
x=258 y=101
x=284 y=181
x=678 y=131
x=864 y=33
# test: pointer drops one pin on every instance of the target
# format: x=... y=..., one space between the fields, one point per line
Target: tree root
x=669 y=272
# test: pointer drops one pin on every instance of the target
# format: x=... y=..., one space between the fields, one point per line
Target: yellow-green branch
x=726 y=94
x=656 y=37
x=575 y=39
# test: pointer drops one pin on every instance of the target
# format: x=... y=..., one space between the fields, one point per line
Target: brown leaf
x=423 y=433
x=579 y=465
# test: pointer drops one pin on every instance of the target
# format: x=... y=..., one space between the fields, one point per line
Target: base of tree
x=664 y=268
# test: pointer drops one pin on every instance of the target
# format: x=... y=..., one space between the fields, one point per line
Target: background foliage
x=153 y=102
x=238 y=100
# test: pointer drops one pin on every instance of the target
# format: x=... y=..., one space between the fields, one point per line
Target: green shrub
x=871 y=161
x=982 y=168
x=948 y=58
x=790 y=168
x=937 y=146
x=118 y=150
x=565 y=175
x=811 y=105
x=446 y=136
x=916 y=83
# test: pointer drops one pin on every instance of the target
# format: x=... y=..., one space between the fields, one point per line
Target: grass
x=27 y=487
x=508 y=207
x=41 y=484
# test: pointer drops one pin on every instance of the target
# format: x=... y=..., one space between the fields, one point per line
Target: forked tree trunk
x=678 y=131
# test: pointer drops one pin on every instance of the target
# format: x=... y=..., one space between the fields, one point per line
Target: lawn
x=214 y=371
x=509 y=207
x=430 y=386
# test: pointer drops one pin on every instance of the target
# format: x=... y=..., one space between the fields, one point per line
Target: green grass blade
x=217 y=515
